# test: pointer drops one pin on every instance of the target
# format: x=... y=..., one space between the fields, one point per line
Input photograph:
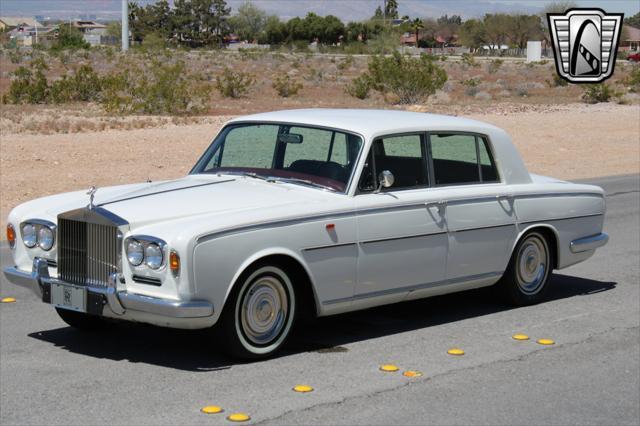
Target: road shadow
x=199 y=350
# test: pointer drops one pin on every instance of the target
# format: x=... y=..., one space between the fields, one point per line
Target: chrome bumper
x=589 y=243
x=39 y=281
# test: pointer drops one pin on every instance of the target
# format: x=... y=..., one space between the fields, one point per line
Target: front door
x=402 y=235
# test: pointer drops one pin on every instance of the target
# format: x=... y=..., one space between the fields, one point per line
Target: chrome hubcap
x=533 y=261
x=264 y=310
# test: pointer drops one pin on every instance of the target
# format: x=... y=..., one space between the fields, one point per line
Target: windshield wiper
x=305 y=182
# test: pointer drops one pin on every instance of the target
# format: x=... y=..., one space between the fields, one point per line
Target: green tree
x=634 y=20
x=522 y=28
x=154 y=19
x=554 y=7
x=275 y=31
x=472 y=34
x=378 y=14
x=391 y=9
x=249 y=23
x=70 y=37
x=200 y=22
x=416 y=26
x=114 y=29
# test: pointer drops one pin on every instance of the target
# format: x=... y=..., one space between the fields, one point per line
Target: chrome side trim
x=482 y=227
x=414 y=287
x=406 y=237
x=328 y=246
x=375 y=210
x=589 y=243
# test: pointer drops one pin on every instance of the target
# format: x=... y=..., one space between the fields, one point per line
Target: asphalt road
x=135 y=374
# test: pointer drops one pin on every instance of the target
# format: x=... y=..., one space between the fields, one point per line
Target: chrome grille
x=87 y=252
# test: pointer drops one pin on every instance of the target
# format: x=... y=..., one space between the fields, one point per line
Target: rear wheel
x=525 y=281
x=80 y=320
x=260 y=312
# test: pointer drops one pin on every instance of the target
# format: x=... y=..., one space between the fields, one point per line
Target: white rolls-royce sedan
x=306 y=212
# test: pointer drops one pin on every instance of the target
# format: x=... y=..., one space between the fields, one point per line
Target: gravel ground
x=569 y=141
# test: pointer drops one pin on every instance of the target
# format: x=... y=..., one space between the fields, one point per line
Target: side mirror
x=385 y=180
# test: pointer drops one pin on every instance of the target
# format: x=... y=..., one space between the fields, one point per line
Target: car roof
x=371 y=122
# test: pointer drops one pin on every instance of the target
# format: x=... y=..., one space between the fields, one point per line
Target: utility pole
x=125 y=25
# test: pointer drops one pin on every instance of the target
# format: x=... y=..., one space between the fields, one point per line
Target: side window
x=460 y=159
x=489 y=171
x=404 y=156
x=250 y=146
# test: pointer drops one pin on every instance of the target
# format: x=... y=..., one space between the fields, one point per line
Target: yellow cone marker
x=302 y=388
x=412 y=373
x=389 y=368
x=546 y=342
x=211 y=409
x=8 y=300
x=455 y=351
x=520 y=337
x=238 y=417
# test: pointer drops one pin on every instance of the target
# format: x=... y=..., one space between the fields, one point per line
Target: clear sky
x=628 y=7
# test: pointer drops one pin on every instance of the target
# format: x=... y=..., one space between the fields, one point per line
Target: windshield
x=283 y=152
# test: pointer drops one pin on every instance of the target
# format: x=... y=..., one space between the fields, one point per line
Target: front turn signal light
x=174 y=263
x=11 y=235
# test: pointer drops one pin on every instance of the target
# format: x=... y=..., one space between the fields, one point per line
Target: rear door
x=479 y=210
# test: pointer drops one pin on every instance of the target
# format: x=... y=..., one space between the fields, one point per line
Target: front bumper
x=39 y=281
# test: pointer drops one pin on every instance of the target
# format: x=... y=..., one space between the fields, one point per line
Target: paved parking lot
x=134 y=374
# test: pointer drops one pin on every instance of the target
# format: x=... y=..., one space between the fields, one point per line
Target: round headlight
x=153 y=256
x=29 y=236
x=135 y=252
x=45 y=238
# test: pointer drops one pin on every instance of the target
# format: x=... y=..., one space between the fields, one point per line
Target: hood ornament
x=91 y=194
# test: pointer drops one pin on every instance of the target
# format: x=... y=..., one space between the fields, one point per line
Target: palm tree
x=416 y=26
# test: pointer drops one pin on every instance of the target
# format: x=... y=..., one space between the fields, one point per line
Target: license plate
x=69 y=297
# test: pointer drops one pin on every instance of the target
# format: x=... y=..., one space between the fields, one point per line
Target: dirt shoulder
x=570 y=142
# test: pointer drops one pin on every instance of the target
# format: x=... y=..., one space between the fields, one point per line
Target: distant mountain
x=347 y=10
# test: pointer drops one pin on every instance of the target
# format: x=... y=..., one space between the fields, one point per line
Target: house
x=28 y=36
x=8 y=23
x=408 y=39
x=629 y=39
x=90 y=27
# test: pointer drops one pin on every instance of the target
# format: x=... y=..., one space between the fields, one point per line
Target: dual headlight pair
x=38 y=233
x=145 y=250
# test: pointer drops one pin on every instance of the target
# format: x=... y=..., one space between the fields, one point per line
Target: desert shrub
x=494 y=66
x=409 y=79
x=29 y=85
x=233 y=84
x=359 y=87
x=345 y=63
x=557 y=81
x=469 y=60
x=83 y=85
x=522 y=90
x=286 y=86
x=595 y=93
x=633 y=80
x=162 y=88
x=153 y=42
x=15 y=56
x=471 y=86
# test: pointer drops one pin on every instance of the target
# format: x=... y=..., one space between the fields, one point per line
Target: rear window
x=461 y=159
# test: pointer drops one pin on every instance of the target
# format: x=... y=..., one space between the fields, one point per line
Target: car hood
x=191 y=196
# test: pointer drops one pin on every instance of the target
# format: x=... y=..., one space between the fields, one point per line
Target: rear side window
x=461 y=159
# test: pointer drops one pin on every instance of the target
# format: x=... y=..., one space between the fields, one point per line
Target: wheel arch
x=549 y=232
x=292 y=262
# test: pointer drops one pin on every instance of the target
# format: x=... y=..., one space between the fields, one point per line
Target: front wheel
x=260 y=312
x=525 y=281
